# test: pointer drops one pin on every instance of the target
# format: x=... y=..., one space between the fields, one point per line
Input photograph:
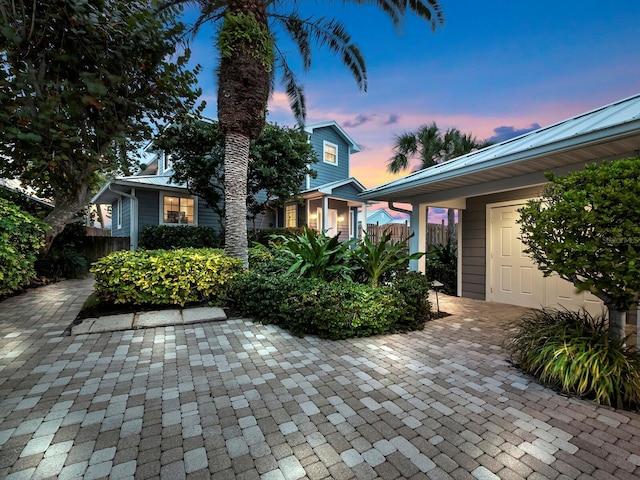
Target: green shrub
x=21 y=237
x=314 y=255
x=446 y=274
x=413 y=289
x=265 y=236
x=377 y=260
x=64 y=259
x=267 y=260
x=166 y=237
x=572 y=351
x=336 y=310
x=165 y=277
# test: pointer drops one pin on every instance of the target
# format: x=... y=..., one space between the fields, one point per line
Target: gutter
x=133 y=223
x=398 y=209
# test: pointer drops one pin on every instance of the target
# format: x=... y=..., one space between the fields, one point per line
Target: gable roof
x=107 y=193
x=353 y=146
x=608 y=132
x=328 y=188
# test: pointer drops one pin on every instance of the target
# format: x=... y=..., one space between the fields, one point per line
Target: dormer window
x=330 y=153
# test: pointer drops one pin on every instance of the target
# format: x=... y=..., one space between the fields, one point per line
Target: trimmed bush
x=413 y=288
x=165 y=237
x=165 y=277
x=336 y=310
x=572 y=352
x=21 y=237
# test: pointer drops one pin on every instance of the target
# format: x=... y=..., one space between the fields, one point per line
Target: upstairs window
x=330 y=153
x=178 y=210
x=167 y=162
x=291 y=216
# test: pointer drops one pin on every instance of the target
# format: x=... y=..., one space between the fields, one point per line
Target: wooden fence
x=98 y=232
x=95 y=248
x=436 y=232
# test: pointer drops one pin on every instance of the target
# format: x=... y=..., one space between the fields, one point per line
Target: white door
x=514 y=278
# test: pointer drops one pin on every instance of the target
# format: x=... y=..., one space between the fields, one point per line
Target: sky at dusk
x=494 y=69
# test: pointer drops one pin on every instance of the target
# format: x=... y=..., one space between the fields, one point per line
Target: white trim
x=161 y=209
x=459 y=253
x=119 y=213
x=167 y=163
x=326 y=144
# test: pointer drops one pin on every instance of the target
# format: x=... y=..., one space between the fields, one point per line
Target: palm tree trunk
x=236 y=164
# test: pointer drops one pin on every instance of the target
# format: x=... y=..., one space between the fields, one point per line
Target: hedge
x=165 y=277
x=21 y=238
x=335 y=310
x=167 y=237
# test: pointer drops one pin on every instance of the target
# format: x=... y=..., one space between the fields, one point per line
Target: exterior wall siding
x=474 y=239
x=124 y=231
x=328 y=173
x=148 y=208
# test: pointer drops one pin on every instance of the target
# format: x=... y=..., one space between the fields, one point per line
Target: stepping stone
x=110 y=323
x=84 y=327
x=203 y=314
x=159 y=318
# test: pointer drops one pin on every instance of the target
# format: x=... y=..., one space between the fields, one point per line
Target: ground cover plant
x=165 y=277
x=572 y=352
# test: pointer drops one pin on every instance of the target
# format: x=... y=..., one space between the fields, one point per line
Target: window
x=178 y=210
x=119 y=213
x=291 y=216
x=167 y=162
x=330 y=153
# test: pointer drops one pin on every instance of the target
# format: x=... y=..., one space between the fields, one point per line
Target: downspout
x=133 y=223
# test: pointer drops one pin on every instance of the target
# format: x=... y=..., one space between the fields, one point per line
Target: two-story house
x=329 y=202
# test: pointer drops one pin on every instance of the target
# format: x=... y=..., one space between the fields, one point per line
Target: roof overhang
x=109 y=192
x=511 y=171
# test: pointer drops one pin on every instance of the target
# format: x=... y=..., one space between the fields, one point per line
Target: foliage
x=265 y=236
x=413 y=289
x=81 y=83
x=32 y=206
x=572 y=351
x=243 y=29
x=165 y=277
x=442 y=265
x=279 y=160
x=20 y=240
x=377 y=259
x=156 y=237
x=65 y=259
x=336 y=310
x=586 y=228
x=314 y=255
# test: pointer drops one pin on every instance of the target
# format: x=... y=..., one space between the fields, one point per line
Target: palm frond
x=428 y=10
x=294 y=90
x=294 y=26
x=333 y=35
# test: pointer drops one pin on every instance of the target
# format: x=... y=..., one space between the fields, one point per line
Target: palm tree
x=431 y=146
x=249 y=56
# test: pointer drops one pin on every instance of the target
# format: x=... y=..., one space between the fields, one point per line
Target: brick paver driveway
x=240 y=400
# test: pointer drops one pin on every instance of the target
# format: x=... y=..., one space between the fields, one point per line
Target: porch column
x=459 y=250
x=418 y=229
x=363 y=225
x=325 y=213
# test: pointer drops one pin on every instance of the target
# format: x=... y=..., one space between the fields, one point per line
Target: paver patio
x=241 y=400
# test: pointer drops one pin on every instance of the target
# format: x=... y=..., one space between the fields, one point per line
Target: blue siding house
x=329 y=202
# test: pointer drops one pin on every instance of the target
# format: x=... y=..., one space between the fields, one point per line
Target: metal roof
x=155 y=182
x=610 y=131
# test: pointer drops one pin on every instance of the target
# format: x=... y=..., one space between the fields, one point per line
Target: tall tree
x=248 y=58
x=430 y=146
x=80 y=83
x=279 y=160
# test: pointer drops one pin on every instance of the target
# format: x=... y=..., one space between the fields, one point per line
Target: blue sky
x=495 y=69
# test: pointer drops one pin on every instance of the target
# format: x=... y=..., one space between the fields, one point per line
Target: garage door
x=512 y=277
